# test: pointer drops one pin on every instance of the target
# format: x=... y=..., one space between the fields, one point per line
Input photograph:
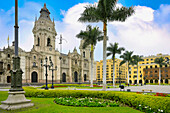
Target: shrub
x=131 y=99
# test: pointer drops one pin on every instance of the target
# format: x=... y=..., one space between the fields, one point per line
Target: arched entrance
x=151 y=81
x=130 y=81
x=140 y=81
x=146 y=81
x=34 y=77
x=75 y=76
x=166 y=81
x=156 y=81
x=85 y=77
x=8 y=79
x=161 y=81
x=135 y=81
x=63 y=77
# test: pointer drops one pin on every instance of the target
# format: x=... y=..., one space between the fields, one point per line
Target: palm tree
x=105 y=11
x=91 y=36
x=127 y=58
x=160 y=62
x=135 y=61
x=113 y=50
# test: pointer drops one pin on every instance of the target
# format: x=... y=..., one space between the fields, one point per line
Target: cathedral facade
x=71 y=68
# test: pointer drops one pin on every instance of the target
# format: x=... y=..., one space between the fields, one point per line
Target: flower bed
x=86 y=102
x=95 y=85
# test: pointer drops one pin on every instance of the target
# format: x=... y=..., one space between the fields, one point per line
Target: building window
x=146 y=67
x=156 y=75
x=34 y=64
x=156 y=71
x=84 y=55
x=8 y=67
x=150 y=71
x=150 y=75
x=165 y=65
x=155 y=66
x=151 y=67
x=75 y=61
x=48 y=42
x=8 y=55
x=84 y=64
x=64 y=61
x=34 y=57
x=147 y=59
x=38 y=41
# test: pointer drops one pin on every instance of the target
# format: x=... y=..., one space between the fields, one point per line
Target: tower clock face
x=50 y=49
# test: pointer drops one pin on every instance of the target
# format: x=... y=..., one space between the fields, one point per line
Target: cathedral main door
x=34 y=77
x=64 y=77
x=75 y=76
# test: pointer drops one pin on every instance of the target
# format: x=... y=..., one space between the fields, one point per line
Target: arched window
x=8 y=55
x=84 y=55
x=34 y=64
x=38 y=41
x=8 y=67
x=48 y=42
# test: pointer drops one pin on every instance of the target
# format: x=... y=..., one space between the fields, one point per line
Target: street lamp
x=51 y=65
x=46 y=66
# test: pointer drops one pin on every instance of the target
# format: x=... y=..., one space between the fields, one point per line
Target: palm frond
x=89 y=14
x=120 y=14
x=122 y=62
x=91 y=36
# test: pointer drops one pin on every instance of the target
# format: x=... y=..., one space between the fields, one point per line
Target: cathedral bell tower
x=44 y=32
x=85 y=52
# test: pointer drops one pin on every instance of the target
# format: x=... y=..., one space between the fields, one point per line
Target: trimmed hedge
x=128 y=98
x=65 y=85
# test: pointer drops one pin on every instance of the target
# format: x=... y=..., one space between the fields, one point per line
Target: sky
x=147 y=32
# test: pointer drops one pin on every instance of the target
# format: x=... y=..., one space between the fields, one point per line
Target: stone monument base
x=16 y=100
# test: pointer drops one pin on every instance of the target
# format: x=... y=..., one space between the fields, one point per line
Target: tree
x=91 y=36
x=113 y=50
x=105 y=11
x=127 y=58
x=135 y=61
x=160 y=62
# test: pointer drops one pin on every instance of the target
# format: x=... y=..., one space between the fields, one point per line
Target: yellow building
x=147 y=63
x=109 y=71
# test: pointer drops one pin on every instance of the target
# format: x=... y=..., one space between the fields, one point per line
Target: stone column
x=70 y=70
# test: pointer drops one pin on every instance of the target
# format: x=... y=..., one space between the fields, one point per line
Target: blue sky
x=141 y=33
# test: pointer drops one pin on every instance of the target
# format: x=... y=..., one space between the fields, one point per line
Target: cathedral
x=70 y=68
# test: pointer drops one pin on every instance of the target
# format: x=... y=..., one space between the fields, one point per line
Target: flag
x=8 y=37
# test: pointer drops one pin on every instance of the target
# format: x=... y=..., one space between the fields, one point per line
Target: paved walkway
x=154 y=88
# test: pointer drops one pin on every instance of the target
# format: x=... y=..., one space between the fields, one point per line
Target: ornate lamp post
x=53 y=69
x=46 y=66
x=16 y=98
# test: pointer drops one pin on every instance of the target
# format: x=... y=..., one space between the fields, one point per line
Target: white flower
x=146 y=107
x=150 y=108
x=162 y=111
x=158 y=109
x=139 y=105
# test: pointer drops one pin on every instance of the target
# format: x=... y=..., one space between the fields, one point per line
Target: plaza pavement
x=147 y=88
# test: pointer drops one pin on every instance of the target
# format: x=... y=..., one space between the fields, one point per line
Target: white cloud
x=142 y=33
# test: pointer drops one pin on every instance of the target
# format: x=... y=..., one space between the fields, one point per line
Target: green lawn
x=46 y=105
